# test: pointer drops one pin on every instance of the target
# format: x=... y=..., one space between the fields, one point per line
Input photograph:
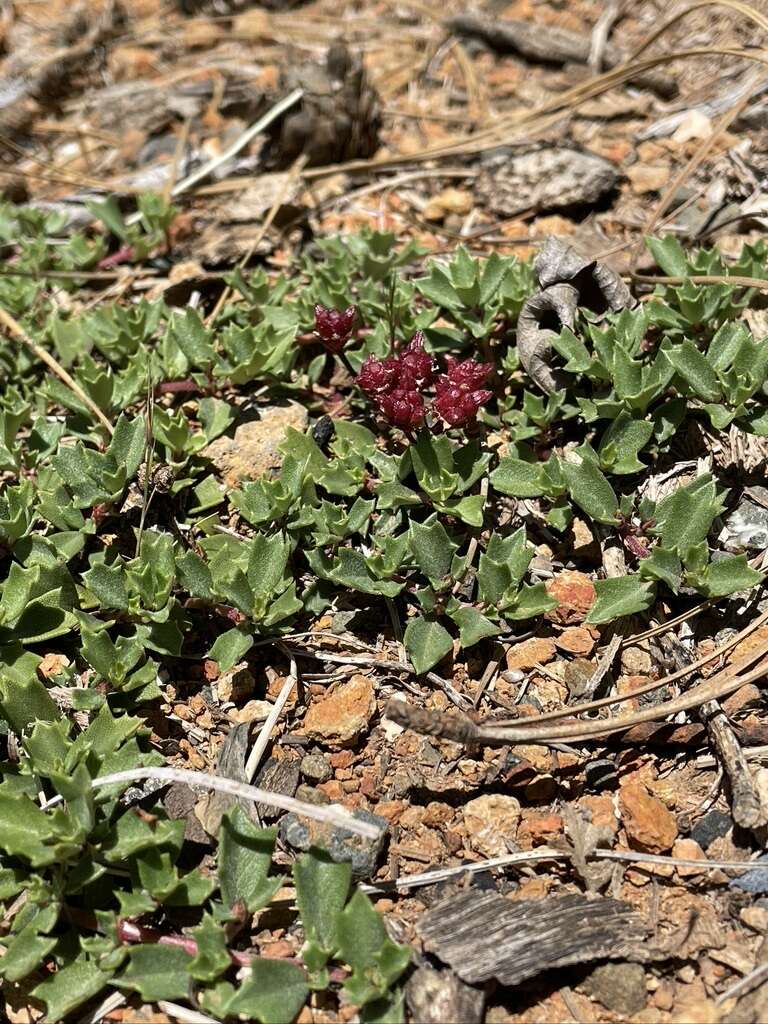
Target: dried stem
x=332 y=815
x=14 y=327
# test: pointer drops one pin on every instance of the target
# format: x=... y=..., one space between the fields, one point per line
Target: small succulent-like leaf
x=426 y=642
x=322 y=888
x=273 y=992
x=156 y=972
x=432 y=549
x=71 y=986
x=245 y=856
x=623 y=595
x=518 y=478
x=473 y=625
x=229 y=648
x=590 y=489
x=695 y=370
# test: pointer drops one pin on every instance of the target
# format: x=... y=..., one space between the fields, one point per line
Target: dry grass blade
x=702 y=151
x=735 y=279
x=14 y=328
x=734 y=5
x=462 y=729
x=657 y=684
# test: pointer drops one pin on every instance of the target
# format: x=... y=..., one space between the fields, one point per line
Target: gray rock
x=315 y=768
x=341 y=845
x=712 y=826
x=754 y=881
x=618 y=986
x=746 y=528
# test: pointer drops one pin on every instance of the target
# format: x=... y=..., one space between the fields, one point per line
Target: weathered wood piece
x=482 y=935
x=542 y=178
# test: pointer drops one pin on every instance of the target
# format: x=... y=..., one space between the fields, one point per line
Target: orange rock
x=688 y=849
x=333 y=790
x=648 y=177
x=647 y=822
x=601 y=810
x=343 y=715
x=451 y=200
x=280 y=950
x=574 y=593
x=576 y=640
x=52 y=664
x=536 y=651
x=539 y=830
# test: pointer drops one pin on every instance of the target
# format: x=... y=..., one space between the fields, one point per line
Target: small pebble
x=712 y=826
x=315 y=768
x=756 y=880
x=600 y=775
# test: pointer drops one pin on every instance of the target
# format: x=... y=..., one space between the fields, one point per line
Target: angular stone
x=235 y=685
x=575 y=595
x=343 y=715
x=649 y=825
x=536 y=651
x=619 y=987
x=490 y=821
x=315 y=768
x=253 y=450
x=340 y=844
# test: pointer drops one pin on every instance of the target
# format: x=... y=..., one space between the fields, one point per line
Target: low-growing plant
x=431 y=473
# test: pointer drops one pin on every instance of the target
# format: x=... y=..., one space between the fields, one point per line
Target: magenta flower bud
x=467 y=374
x=378 y=375
x=333 y=327
x=403 y=408
x=417 y=361
x=456 y=405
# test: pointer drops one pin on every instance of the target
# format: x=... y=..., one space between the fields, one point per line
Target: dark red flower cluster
x=334 y=327
x=458 y=392
x=396 y=386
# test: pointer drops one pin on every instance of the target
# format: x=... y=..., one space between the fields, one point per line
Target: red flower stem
x=174 y=387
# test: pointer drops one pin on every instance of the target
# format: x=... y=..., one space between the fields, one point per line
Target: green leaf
x=432 y=549
x=363 y=943
x=727 y=576
x=693 y=367
x=622 y=441
x=245 y=857
x=473 y=625
x=128 y=443
x=663 y=565
x=25 y=951
x=685 y=517
x=624 y=595
x=518 y=479
x=229 y=648
x=70 y=987
x=590 y=490
x=426 y=642
x=107 y=584
x=273 y=993
x=156 y=972
x=669 y=255
x=530 y=600
x=212 y=958
x=322 y=887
